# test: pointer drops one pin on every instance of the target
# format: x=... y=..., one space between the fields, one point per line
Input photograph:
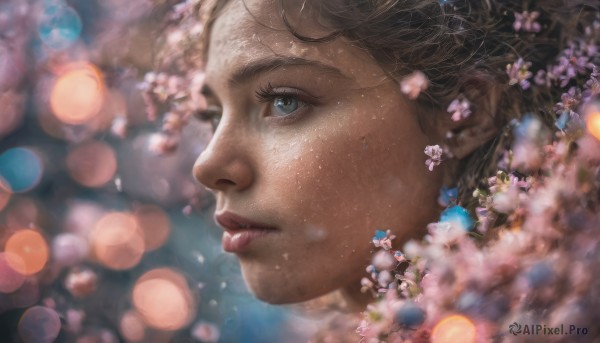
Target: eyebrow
x=269 y=64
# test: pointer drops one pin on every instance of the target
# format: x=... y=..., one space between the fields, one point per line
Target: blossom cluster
x=173 y=94
x=529 y=253
x=539 y=267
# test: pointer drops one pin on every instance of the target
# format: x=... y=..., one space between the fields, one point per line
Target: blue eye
x=285 y=105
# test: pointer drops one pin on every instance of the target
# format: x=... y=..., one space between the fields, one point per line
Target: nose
x=225 y=165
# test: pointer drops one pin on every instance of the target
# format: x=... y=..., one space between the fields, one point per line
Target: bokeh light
x=452 y=329
x=117 y=241
x=10 y=279
x=206 y=332
x=78 y=94
x=27 y=252
x=60 y=25
x=82 y=216
x=21 y=169
x=69 y=249
x=73 y=101
x=132 y=327
x=81 y=282
x=50 y=123
x=593 y=122
x=154 y=222
x=39 y=324
x=92 y=164
x=163 y=299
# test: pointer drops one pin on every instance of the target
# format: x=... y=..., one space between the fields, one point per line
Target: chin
x=279 y=288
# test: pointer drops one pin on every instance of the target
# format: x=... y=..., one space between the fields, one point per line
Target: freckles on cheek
x=324 y=175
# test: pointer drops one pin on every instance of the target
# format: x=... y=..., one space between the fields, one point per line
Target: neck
x=355 y=300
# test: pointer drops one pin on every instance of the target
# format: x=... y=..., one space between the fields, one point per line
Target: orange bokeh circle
x=593 y=124
x=154 y=222
x=163 y=299
x=92 y=164
x=77 y=94
x=117 y=241
x=27 y=252
x=454 y=328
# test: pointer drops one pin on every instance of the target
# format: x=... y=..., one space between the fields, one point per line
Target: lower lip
x=239 y=241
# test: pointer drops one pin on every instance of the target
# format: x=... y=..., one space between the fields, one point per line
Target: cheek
x=332 y=185
x=324 y=179
x=354 y=169
x=341 y=185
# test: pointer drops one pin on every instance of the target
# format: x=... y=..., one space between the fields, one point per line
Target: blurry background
x=103 y=236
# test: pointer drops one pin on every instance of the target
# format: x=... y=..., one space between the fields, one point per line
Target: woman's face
x=315 y=140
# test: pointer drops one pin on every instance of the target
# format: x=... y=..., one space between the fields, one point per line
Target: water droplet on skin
x=212 y=303
x=199 y=257
x=320 y=167
x=285 y=256
x=223 y=285
x=277 y=267
x=316 y=234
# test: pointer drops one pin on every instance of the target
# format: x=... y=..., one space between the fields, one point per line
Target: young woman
x=317 y=142
x=322 y=112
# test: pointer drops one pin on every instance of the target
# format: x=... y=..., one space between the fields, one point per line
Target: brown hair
x=463 y=47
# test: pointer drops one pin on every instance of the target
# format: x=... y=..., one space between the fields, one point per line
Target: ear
x=464 y=136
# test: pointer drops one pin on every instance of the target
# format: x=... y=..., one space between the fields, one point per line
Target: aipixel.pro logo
x=542 y=329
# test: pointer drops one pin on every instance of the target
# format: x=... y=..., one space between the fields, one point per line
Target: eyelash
x=268 y=93
x=265 y=94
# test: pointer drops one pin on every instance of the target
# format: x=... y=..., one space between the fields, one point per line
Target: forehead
x=251 y=30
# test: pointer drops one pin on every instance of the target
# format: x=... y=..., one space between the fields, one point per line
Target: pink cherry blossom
x=460 y=108
x=413 y=84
